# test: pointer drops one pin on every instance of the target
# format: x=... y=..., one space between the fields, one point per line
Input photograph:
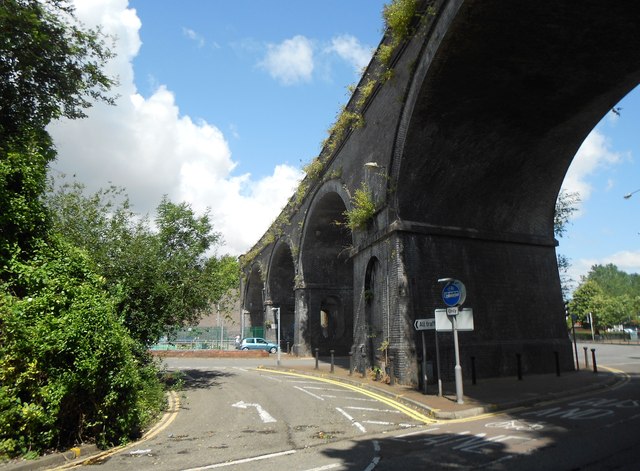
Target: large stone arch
x=326 y=269
x=281 y=292
x=254 y=301
x=502 y=97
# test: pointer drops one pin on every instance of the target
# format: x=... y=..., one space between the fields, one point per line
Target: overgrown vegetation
x=362 y=209
x=86 y=284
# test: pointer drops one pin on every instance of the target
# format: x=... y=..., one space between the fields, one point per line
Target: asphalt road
x=234 y=416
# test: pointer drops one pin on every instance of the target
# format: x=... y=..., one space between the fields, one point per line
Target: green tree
x=50 y=67
x=163 y=274
x=566 y=205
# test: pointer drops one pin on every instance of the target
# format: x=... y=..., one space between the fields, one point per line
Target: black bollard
x=586 y=358
x=557 y=355
x=593 y=357
x=332 y=352
x=350 y=363
x=473 y=370
x=317 y=353
x=288 y=349
x=364 y=370
x=392 y=377
x=519 y=366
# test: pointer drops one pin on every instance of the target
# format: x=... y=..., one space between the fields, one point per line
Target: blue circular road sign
x=454 y=293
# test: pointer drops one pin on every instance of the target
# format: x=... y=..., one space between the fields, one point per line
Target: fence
x=205 y=338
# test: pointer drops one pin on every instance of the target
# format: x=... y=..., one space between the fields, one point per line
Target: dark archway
x=254 y=304
x=376 y=326
x=281 y=291
x=328 y=276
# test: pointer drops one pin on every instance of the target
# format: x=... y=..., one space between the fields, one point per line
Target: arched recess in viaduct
x=281 y=291
x=495 y=113
x=254 y=301
x=327 y=270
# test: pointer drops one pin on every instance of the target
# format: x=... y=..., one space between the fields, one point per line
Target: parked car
x=257 y=343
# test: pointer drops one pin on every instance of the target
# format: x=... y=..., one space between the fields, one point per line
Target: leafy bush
x=363 y=208
x=69 y=371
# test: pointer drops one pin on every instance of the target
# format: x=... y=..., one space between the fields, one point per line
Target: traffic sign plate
x=452 y=311
x=425 y=324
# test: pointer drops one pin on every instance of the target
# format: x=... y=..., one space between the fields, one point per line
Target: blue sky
x=221 y=104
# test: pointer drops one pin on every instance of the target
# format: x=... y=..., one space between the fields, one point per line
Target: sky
x=221 y=103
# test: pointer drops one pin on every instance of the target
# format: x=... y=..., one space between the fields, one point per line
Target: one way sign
x=425 y=324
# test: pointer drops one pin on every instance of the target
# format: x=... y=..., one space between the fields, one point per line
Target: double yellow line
x=173 y=406
x=406 y=410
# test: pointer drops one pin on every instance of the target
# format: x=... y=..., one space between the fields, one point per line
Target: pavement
x=487 y=395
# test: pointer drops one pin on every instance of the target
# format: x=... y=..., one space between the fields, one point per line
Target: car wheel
x=273 y=350
x=245 y=348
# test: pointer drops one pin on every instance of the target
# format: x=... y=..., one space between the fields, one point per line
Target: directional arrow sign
x=264 y=415
x=425 y=324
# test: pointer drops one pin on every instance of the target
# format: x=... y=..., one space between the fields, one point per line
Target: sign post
x=422 y=325
x=454 y=294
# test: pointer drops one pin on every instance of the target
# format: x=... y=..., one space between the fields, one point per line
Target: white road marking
x=309 y=393
x=372 y=409
x=245 y=460
x=376 y=458
x=358 y=425
x=323 y=468
x=264 y=415
x=328 y=396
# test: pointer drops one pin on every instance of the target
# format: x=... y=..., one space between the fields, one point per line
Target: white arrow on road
x=264 y=415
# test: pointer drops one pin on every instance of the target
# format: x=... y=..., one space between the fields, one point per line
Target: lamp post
x=628 y=195
x=276 y=312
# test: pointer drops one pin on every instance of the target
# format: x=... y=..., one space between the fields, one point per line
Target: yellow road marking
x=390 y=402
x=168 y=417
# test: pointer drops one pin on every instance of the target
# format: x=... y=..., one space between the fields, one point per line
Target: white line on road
x=376 y=457
x=309 y=393
x=325 y=467
x=264 y=415
x=358 y=425
x=245 y=460
x=329 y=396
x=372 y=409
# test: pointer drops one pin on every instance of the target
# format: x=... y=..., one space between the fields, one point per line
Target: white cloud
x=147 y=146
x=627 y=260
x=349 y=48
x=192 y=35
x=291 y=61
x=594 y=154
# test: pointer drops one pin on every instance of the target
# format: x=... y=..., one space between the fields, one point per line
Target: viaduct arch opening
x=327 y=269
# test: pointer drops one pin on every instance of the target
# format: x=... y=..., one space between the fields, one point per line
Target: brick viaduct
x=462 y=139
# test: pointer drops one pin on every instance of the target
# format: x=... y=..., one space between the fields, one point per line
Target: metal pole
x=317 y=353
x=593 y=357
x=458 y=368
x=278 y=362
x=438 y=365
x=593 y=334
x=332 y=352
x=424 y=364
x=218 y=310
x=575 y=346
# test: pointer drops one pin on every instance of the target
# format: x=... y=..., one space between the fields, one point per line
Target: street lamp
x=628 y=195
x=276 y=312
